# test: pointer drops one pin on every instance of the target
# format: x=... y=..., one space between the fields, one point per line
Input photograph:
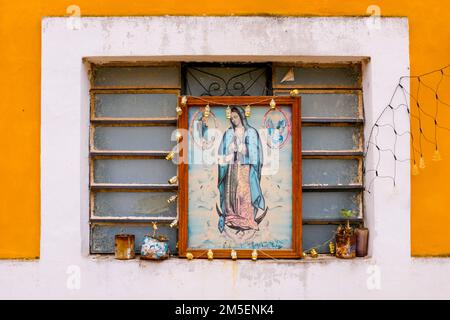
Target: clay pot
x=362 y=241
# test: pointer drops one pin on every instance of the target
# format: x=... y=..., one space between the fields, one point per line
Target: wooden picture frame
x=293 y=104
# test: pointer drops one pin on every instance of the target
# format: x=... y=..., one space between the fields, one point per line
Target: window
x=133 y=116
x=332 y=145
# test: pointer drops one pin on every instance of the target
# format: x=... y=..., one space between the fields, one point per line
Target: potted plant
x=345 y=237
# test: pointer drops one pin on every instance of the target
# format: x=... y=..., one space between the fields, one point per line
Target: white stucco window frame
x=382 y=48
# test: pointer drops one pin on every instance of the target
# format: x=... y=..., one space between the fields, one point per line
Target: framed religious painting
x=239 y=177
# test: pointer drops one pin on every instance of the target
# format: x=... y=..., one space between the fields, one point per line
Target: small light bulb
x=272 y=104
x=228 y=112
x=437 y=156
x=183 y=100
x=331 y=247
x=170 y=155
x=173 y=180
x=189 y=256
x=178 y=136
x=422 y=163
x=314 y=253
x=174 y=223
x=210 y=255
x=415 y=170
x=179 y=111
x=207 y=111
x=172 y=199
x=248 y=111
x=254 y=255
x=233 y=254
x=294 y=93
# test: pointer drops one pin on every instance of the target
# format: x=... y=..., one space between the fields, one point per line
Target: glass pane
x=328 y=105
x=226 y=81
x=140 y=171
x=318 y=235
x=139 y=105
x=330 y=172
x=134 y=204
x=155 y=77
x=134 y=138
x=328 y=205
x=342 y=76
x=102 y=235
x=331 y=138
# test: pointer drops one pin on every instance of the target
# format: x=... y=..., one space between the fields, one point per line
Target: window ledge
x=322 y=258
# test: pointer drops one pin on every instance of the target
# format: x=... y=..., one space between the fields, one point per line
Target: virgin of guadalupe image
x=242 y=205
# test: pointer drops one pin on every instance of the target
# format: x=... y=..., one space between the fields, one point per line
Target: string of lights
x=415 y=105
x=256 y=102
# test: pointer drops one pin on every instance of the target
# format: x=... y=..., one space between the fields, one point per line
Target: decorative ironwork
x=226 y=81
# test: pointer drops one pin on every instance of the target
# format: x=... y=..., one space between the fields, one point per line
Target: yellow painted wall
x=20 y=29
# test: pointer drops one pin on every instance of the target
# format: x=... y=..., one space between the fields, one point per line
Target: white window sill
x=322 y=258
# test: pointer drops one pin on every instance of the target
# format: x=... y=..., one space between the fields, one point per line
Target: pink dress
x=239 y=208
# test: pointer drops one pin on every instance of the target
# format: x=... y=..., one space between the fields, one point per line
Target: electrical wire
x=419 y=135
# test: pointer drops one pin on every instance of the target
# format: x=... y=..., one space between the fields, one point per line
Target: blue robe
x=254 y=158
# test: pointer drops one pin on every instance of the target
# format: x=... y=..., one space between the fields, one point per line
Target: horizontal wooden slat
x=318 y=188
x=331 y=221
x=141 y=154
x=131 y=187
x=330 y=121
x=125 y=219
x=135 y=121
x=315 y=154
x=133 y=88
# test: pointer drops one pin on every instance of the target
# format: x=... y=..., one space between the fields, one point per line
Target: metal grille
x=227 y=80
